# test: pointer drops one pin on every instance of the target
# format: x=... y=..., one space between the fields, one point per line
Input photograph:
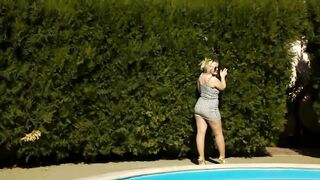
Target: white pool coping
x=139 y=172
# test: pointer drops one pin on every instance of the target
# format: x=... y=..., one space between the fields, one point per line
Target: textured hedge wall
x=106 y=78
x=313 y=48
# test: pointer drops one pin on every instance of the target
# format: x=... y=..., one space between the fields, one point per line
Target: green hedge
x=105 y=79
x=314 y=50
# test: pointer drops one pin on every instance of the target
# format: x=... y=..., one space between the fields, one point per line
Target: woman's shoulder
x=201 y=76
x=214 y=78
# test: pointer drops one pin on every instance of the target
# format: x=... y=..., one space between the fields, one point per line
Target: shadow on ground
x=306 y=144
x=312 y=152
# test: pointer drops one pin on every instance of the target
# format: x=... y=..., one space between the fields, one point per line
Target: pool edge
x=146 y=171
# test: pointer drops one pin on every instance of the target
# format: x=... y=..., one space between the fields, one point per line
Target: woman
x=207 y=107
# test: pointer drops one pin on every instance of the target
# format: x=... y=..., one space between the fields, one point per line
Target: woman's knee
x=219 y=133
x=201 y=130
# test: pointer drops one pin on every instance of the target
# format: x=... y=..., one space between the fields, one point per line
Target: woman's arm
x=221 y=85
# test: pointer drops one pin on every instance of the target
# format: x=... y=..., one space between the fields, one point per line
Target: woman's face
x=214 y=70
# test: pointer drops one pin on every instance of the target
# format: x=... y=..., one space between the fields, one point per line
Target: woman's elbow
x=221 y=88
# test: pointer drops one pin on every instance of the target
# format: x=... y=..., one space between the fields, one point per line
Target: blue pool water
x=236 y=174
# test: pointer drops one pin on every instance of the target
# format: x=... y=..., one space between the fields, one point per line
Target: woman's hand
x=224 y=72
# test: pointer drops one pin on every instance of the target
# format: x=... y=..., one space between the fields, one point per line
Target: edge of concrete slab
x=139 y=172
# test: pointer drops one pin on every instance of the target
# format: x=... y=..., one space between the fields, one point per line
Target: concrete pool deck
x=278 y=156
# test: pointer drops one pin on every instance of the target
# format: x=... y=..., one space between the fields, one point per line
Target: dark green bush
x=105 y=78
x=314 y=51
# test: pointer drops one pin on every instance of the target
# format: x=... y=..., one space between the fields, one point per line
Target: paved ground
x=74 y=171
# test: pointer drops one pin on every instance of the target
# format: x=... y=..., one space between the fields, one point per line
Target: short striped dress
x=207 y=105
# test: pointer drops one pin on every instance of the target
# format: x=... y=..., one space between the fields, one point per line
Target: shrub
x=105 y=78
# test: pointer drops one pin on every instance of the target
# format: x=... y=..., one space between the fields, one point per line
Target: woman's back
x=206 y=91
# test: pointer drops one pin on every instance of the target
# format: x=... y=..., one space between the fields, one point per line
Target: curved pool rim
x=170 y=169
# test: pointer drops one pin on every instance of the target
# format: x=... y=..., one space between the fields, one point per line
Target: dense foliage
x=314 y=50
x=105 y=78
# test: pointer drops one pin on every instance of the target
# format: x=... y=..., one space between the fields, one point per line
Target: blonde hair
x=206 y=63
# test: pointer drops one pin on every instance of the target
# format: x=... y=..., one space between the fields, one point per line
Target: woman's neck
x=207 y=73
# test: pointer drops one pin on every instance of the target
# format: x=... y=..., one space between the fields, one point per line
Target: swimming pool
x=237 y=174
x=250 y=171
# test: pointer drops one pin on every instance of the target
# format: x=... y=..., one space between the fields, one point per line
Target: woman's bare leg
x=216 y=127
x=201 y=133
